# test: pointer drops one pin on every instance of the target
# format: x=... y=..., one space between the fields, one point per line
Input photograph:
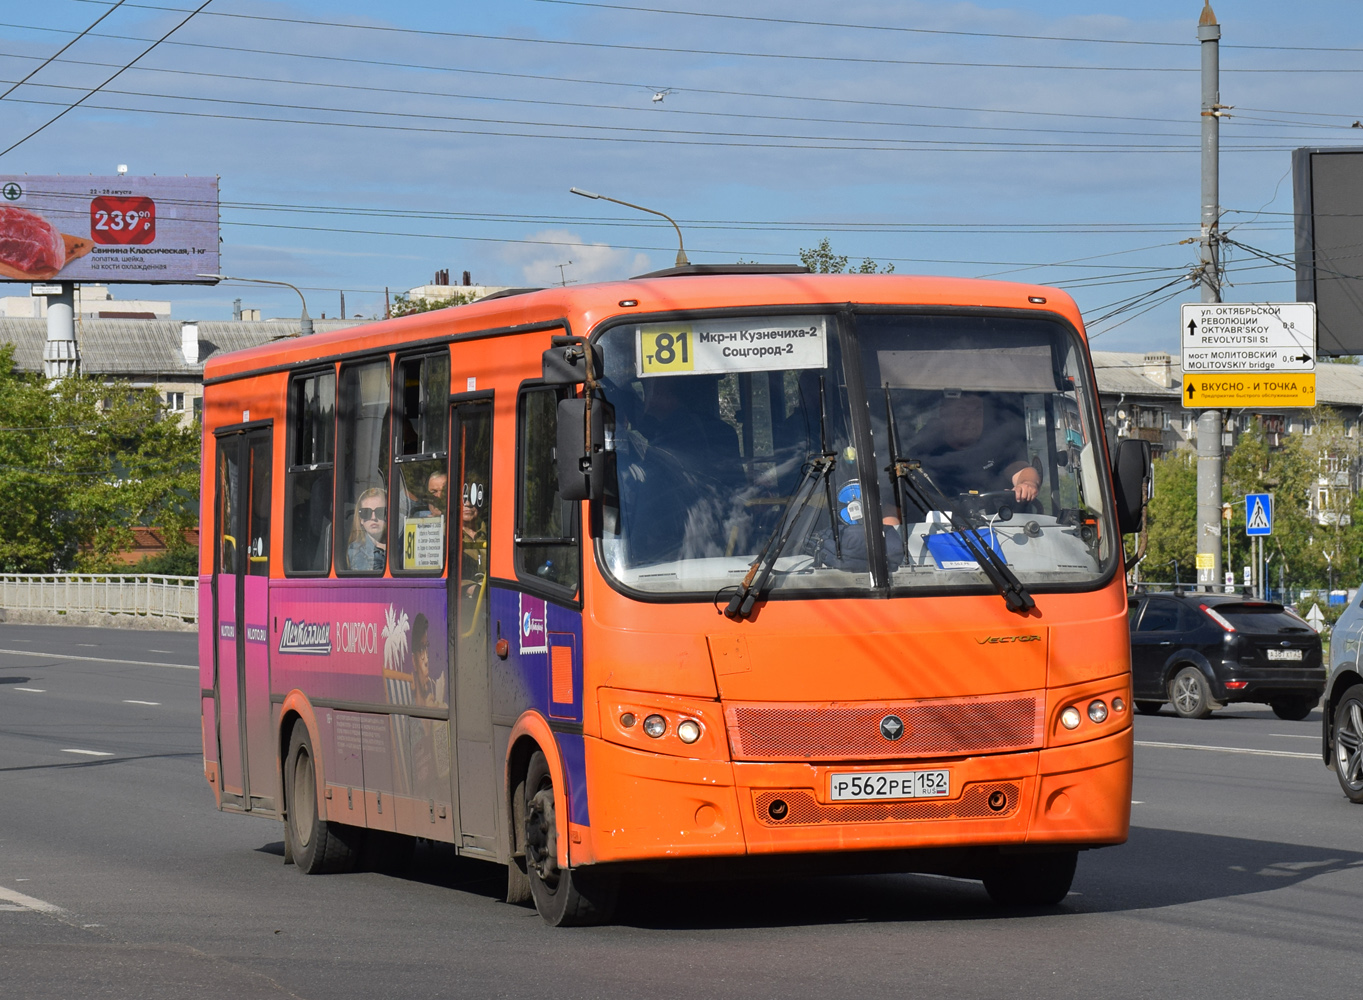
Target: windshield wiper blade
x=1015 y=595
x=923 y=492
x=741 y=604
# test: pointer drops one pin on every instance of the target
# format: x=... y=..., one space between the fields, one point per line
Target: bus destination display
x=716 y=347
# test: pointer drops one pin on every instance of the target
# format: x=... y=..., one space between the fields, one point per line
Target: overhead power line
x=1006 y=36
x=740 y=54
x=76 y=104
x=48 y=61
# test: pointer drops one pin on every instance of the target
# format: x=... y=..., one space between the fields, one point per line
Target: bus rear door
x=471 y=617
x=241 y=678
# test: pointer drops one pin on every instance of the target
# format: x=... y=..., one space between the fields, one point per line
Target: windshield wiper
x=923 y=492
x=818 y=470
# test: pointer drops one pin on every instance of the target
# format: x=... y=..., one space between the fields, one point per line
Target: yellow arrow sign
x=1269 y=391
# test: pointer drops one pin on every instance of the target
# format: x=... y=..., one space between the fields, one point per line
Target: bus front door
x=241 y=678
x=477 y=771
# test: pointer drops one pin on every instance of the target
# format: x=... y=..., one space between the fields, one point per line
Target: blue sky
x=1054 y=142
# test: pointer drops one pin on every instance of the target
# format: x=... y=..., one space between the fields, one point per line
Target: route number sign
x=743 y=344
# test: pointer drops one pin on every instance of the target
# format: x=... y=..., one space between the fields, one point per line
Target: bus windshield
x=913 y=442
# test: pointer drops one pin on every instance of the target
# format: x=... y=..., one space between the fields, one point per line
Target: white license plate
x=1284 y=654
x=889 y=785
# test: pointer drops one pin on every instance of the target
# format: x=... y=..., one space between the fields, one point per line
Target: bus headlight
x=655 y=726
x=688 y=731
x=1097 y=710
x=1068 y=718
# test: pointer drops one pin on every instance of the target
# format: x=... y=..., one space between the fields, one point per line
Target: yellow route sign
x=1267 y=390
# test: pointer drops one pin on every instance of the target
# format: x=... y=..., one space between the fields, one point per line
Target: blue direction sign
x=1258 y=514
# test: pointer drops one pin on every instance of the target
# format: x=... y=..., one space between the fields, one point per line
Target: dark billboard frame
x=1337 y=289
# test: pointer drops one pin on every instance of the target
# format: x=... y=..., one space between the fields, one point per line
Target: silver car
x=1342 y=706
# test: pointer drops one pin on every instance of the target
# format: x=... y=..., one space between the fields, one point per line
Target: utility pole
x=1209 y=526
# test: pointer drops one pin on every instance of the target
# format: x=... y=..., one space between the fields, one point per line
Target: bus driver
x=974 y=445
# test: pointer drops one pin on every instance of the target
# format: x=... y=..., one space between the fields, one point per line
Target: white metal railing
x=113 y=593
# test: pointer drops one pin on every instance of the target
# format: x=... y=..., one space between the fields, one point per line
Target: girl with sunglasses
x=368 y=549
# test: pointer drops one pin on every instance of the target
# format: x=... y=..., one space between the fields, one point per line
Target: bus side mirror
x=566 y=362
x=1131 y=476
x=581 y=457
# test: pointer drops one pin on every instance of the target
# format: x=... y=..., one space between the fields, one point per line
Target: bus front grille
x=937 y=727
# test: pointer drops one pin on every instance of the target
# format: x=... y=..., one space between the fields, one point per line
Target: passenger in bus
x=473 y=546
x=368 y=549
x=435 y=494
x=976 y=443
x=681 y=417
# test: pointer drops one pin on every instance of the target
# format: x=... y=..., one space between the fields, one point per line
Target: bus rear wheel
x=1031 y=879
x=564 y=897
x=316 y=845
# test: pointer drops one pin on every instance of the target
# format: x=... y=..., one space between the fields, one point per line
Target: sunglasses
x=371 y=513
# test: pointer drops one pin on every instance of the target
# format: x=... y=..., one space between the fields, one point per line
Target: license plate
x=860 y=785
x=1284 y=654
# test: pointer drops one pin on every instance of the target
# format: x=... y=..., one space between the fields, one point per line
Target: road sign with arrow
x=1248 y=354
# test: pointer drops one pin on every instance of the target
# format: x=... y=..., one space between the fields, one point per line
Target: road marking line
x=1295 y=736
x=1198 y=746
x=100 y=659
x=33 y=690
x=134 y=701
x=22 y=902
x=91 y=753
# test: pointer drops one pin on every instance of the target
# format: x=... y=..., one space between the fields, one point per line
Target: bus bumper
x=654 y=807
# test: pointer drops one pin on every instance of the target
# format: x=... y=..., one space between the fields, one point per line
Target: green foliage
x=1306 y=549
x=405 y=305
x=82 y=464
x=182 y=560
x=1171 y=519
x=822 y=260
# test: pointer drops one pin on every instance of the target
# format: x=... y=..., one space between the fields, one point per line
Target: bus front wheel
x=564 y=897
x=1031 y=879
x=316 y=845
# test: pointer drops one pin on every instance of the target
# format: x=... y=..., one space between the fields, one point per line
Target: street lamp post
x=304 y=321
x=681 y=250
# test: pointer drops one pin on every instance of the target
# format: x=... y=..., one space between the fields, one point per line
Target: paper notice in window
x=423 y=543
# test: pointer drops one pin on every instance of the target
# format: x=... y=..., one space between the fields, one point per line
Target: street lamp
x=304 y=321
x=681 y=251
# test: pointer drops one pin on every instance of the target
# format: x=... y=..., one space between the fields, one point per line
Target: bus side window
x=546 y=524
x=308 y=480
x=362 y=476
x=421 y=472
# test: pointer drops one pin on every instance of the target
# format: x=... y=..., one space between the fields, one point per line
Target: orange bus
x=750 y=567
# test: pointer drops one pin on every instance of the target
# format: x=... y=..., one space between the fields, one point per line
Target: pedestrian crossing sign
x=1258 y=514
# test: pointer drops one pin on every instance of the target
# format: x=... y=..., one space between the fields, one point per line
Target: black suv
x=1201 y=651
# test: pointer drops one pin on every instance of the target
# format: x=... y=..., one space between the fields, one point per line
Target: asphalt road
x=1243 y=878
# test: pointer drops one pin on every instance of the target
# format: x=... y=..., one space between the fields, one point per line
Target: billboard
x=106 y=230
x=1327 y=187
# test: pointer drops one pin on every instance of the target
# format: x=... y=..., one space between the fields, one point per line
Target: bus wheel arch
x=517 y=765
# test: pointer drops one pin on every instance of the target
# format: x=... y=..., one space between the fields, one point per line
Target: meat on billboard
x=108 y=229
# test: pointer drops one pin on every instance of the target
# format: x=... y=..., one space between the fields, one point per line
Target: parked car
x=1342 y=706
x=1202 y=651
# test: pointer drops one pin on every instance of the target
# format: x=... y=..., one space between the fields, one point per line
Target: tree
x=82 y=463
x=405 y=305
x=1171 y=519
x=822 y=260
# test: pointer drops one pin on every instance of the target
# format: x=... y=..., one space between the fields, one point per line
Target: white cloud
x=539 y=258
